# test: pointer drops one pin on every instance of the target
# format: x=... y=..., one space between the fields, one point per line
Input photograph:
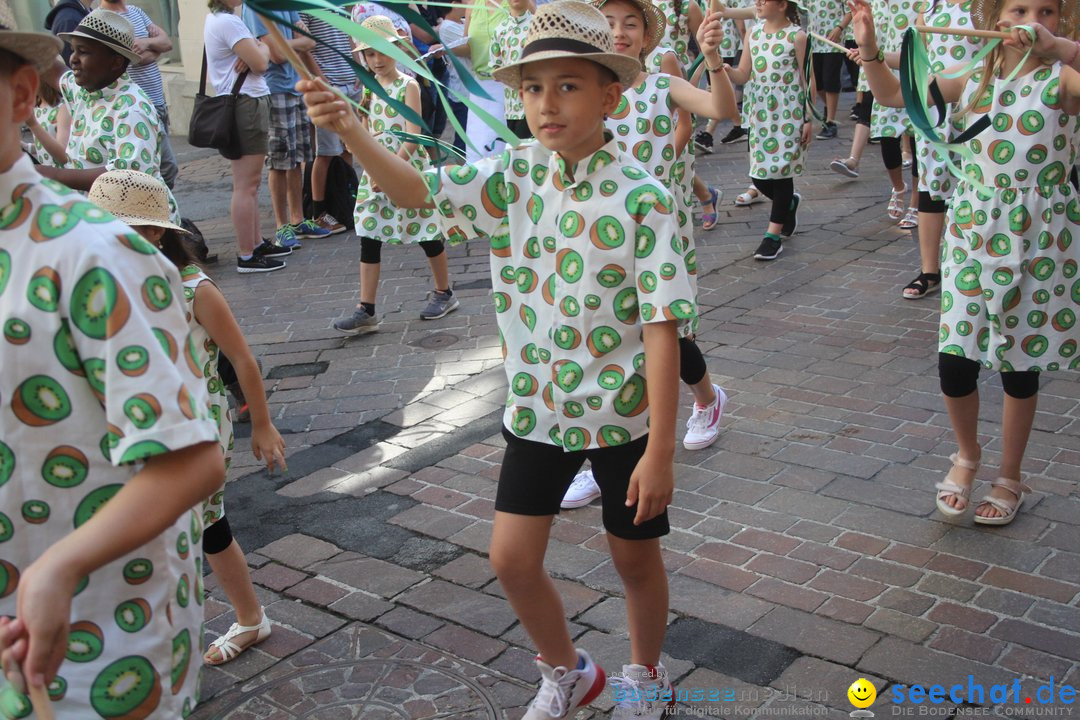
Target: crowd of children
x=593 y=221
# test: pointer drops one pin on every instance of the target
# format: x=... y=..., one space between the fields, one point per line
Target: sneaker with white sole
x=563 y=691
x=440 y=304
x=703 y=427
x=641 y=692
x=359 y=323
x=582 y=491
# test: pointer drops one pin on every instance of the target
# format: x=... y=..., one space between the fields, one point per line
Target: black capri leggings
x=692 y=367
x=959 y=377
x=371 y=249
x=780 y=191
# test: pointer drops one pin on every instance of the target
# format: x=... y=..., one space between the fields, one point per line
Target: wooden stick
x=830 y=43
x=39 y=700
x=967 y=32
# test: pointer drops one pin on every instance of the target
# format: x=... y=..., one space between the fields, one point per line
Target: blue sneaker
x=309 y=228
x=286 y=237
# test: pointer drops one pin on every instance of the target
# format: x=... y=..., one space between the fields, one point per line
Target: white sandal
x=848 y=167
x=947 y=488
x=1007 y=509
x=911 y=219
x=228 y=650
x=751 y=196
x=896 y=203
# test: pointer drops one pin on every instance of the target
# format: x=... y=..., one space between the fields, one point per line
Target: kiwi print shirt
x=99 y=375
x=116 y=128
x=581 y=257
x=507 y=42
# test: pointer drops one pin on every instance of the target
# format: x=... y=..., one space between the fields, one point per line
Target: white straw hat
x=569 y=28
x=39 y=49
x=108 y=28
x=383 y=26
x=134 y=198
x=655 y=22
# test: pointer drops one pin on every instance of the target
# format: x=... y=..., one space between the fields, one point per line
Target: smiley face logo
x=862 y=693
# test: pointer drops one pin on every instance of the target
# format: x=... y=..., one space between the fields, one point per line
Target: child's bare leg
x=859 y=140
x=703 y=391
x=369 y=281
x=518 y=544
x=701 y=191
x=440 y=271
x=964 y=416
x=1017 y=416
x=931 y=228
x=231 y=570
x=644 y=579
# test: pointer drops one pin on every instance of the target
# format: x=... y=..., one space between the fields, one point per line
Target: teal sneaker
x=286 y=237
x=309 y=228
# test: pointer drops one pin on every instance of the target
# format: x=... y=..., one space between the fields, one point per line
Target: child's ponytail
x=792 y=13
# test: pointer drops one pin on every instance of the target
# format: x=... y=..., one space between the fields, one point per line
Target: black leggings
x=371 y=249
x=692 y=369
x=217 y=537
x=927 y=204
x=893 y=156
x=959 y=376
x=780 y=191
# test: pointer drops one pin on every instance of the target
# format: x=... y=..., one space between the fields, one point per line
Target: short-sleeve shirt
x=96 y=379
x=332 y=50
x=280 y=77
x=581 y=258
x=116 y=128
x=221 y=32
x=507 y=42
x=824 y=17
x=148 y=77
x=46 y=117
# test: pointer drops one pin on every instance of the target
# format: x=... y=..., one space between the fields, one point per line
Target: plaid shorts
x=290 y=132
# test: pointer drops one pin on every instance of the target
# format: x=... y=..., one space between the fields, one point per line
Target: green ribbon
x=808 y=69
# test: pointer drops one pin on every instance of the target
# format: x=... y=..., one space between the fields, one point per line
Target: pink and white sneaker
x=563 y=691
x=703 y=427
x=641 y=692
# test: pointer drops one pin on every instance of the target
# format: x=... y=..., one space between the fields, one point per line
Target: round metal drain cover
x=369 y=689
x=436 y=341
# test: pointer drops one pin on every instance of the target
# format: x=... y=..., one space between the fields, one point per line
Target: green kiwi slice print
x=86 y=642
x=16 y=331
x=632 y=399
x=43 y=290
x=128 y=689
x=35 y=512
x=156 y=293
x=14 y=704
x=612 y=435
x=603 y=340
x=7 y=463
x=138 y=571
x=181 y=659
x=99 y=306
x=7 y=528
x=39 y=401
x=64 y=348
x=9 y=578
x=568 y=375
x=142 y=450
x=65 y=467
x=523 y=423
x=133 y=360
x=5 y=270
x=93 y=502
x=143 y=410
x=57 y=689
x=132 y=615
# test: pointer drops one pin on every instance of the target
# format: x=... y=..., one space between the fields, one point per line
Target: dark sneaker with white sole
x=769 y=249
x=257 y=264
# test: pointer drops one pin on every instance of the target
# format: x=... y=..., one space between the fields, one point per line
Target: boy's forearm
x=662 y=382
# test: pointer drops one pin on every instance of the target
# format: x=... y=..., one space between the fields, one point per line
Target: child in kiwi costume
x=1009 y=298
x=99 y=420
x=141 y=201
x=591 y=286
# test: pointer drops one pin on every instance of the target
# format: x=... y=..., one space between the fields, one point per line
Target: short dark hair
x=606 y=75
x=175 y=247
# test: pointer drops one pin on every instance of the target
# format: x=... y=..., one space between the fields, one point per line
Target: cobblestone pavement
x=805 y=550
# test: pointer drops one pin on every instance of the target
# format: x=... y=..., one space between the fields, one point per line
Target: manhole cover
x=435 y=341
x=369 y=689
x=298 y=370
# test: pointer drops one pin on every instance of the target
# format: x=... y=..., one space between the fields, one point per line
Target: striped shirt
x=330 y=42
x=148 y=77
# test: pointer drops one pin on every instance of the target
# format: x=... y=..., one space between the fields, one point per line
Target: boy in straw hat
x=114 y=124
x=99 y=420
x=591 y=285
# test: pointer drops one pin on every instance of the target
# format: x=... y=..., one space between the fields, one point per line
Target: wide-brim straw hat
x=570 y=29
x=383 y=26
x=655 y=22
x=38 y=49
x=984 y=16
x=134 y=198
x=112 y=30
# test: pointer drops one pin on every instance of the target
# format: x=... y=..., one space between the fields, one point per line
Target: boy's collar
x=564 y=176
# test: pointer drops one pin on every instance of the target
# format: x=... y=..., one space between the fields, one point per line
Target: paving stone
x=885 y=572
x=989 y=548
x=308 y=620
x=361 y=606
x=461 y=605
x=820 y=681
x=905 y=601
x=277 y=577
x=783 y=593
x=1003 y=601
x=699 y=599
x=912 y=664
x=979 y=648
x=849 y=586
x=863 y=544
x=468 y=570
x=908 y=554
x=724 y=552
x=948 y=587
x=1065 y=617
x=901 y=625
x=765 y=540
x=848 y=611
x=812 y=635
x=719 y=574
x=369 y=574
x=317 y=592
x=1032 y=584
x=1063 y=566
x=1035 y=664
x=824 y=555
x=956 y=566
x=961 y=616
x=409 y=623
x=714 y=694
x=466 y=643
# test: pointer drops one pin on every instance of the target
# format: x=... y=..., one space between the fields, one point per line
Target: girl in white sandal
x=142 y=202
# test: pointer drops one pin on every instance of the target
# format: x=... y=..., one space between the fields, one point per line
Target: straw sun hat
x=569 y=28
x=984 y=15
x=108 y=28
x=655 y=22
x=134 y=198
x=383 y=26
x=38 y=49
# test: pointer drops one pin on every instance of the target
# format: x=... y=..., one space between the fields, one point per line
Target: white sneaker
x=641 y=692
x=581 y=492
x=703 y=427
x=563 y=691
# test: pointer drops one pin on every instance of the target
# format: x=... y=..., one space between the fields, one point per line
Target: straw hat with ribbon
x=39 y=49
x=112 y=30
x=134 y=198
x=383 y=26
x=985 y=13
x=655 y=22
x=570 y=29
